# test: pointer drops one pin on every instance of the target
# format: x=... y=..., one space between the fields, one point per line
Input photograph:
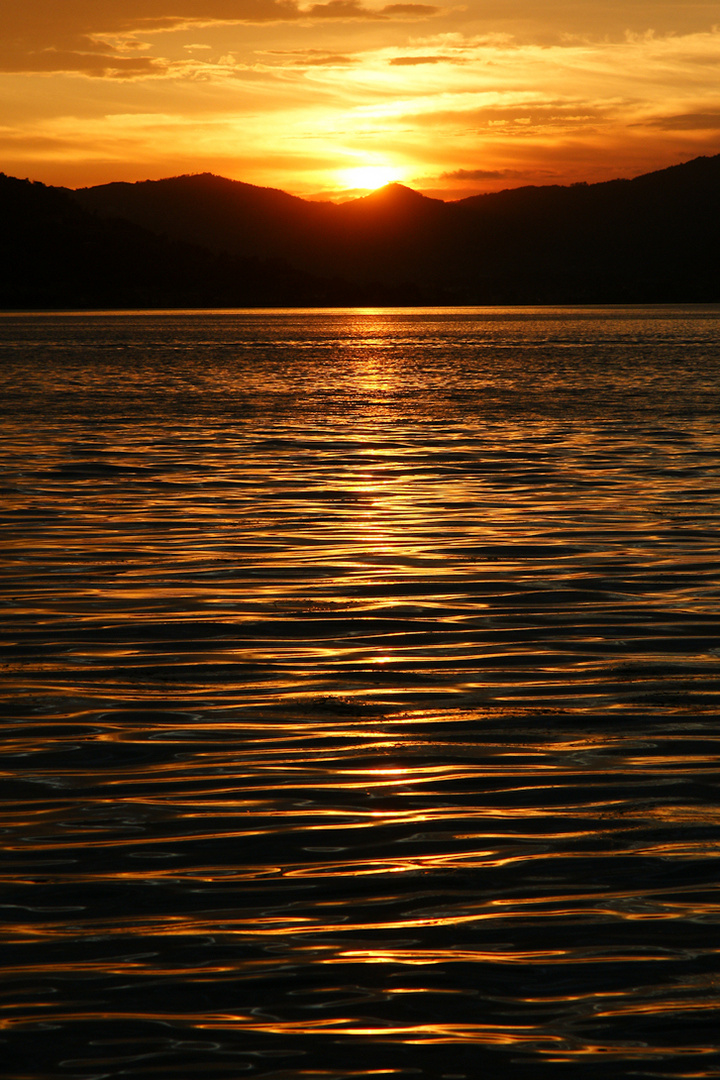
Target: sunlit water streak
x=360 y=693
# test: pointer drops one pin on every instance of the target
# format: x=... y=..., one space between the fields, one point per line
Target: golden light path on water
x=360 y=694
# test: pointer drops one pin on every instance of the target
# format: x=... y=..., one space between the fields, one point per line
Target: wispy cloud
x=491 y=174
x=690 y=121
x=309 y=57
x=413 y=61
x=94 y=39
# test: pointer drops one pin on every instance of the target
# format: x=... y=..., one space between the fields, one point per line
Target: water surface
x=360 y=693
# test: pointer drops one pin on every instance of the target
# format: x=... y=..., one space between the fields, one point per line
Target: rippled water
x=360 y=697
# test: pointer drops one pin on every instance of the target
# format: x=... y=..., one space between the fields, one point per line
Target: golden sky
x=324 y=99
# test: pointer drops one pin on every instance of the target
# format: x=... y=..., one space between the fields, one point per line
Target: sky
x=327 y=99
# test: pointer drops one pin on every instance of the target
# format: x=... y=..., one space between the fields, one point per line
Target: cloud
x=489 y=174
x=409 y=11
x=352 y=10
x=310 y=57
x=410 y=61
x=95 y=64
x=87 y=38
x=691 y=121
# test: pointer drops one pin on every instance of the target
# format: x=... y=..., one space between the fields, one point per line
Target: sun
x=369 y=177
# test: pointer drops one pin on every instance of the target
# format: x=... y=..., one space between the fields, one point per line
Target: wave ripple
x=360 y=693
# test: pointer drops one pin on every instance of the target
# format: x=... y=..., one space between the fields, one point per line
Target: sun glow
x=369 y=177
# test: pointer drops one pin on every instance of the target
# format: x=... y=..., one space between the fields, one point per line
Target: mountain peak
x=394 y=195
x=396 y=188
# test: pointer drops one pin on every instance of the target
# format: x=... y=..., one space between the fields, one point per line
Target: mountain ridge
x=210 y=241
x=545 y=243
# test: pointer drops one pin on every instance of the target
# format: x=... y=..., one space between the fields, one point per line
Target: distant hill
x=207 y=241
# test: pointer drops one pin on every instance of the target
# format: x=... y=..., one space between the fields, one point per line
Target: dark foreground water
x=360 y=694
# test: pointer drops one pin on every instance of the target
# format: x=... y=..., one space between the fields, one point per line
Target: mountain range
x=206 y=241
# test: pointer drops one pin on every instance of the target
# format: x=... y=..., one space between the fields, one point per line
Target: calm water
x=360 y=694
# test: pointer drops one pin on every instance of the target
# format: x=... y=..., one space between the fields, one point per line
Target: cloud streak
x=697 y=121
x=414 y=61
x=93 y=40
x=490 y=174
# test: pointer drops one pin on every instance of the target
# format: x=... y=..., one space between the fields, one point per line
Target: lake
x=360 y=694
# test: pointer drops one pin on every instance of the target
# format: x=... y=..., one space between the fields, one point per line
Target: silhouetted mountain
x=653 y=239
x=55 y=254
x=369 y=240
x=207 y=241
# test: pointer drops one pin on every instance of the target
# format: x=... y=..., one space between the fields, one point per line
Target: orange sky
x=324 y=99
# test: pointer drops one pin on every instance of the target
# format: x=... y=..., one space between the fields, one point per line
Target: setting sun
x=369 y=177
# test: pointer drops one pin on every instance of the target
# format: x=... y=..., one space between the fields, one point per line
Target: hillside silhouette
x=54 y=254
x=207 y=241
